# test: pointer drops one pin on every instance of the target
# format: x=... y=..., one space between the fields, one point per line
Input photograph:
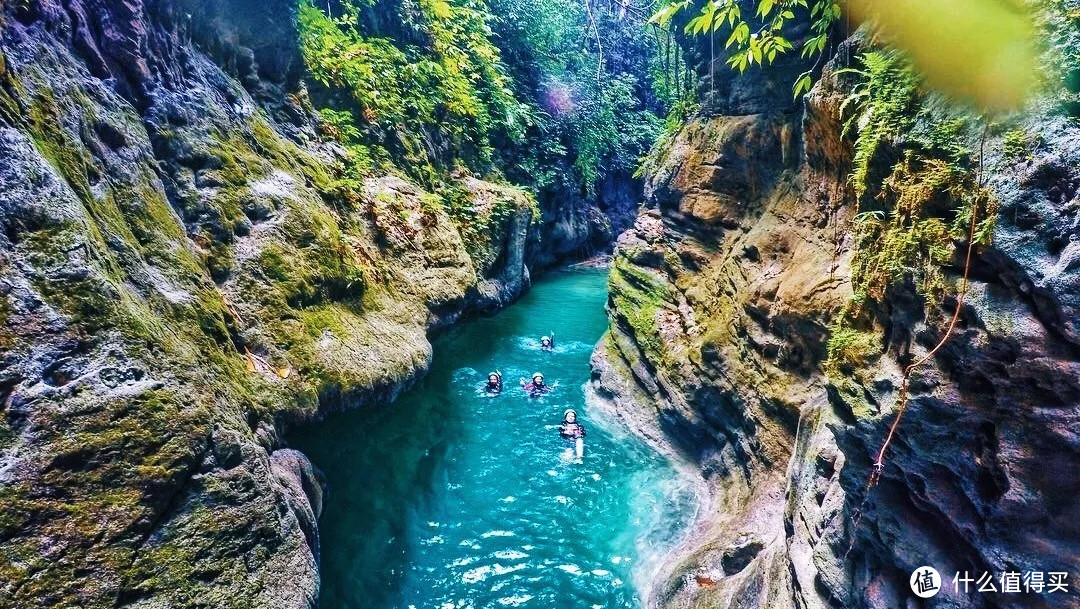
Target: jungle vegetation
x=554 y=95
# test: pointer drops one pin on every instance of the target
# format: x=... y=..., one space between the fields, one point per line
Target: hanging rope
x=599 y=45
x=667 y=62
x=902 y=397
x=712 y=66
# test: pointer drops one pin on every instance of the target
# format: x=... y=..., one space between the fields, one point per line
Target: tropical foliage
x=446 y=88
x=552 y=94
x=919 y=180
x=913 y=212
x=760 y=38
x=587 y=66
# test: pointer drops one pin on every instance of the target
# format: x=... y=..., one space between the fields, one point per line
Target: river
x=448 y=498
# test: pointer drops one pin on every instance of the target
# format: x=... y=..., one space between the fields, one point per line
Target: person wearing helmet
x=494 y=383
x=547 y=343
x=536 y=386
x=573 y=433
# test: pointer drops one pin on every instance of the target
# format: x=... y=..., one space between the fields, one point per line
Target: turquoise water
x=449 y=498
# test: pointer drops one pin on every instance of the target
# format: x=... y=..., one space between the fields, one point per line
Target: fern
x=879 y=107
x=911 y=231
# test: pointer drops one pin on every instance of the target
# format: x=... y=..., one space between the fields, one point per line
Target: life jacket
x=571 y=431
x=535 y=389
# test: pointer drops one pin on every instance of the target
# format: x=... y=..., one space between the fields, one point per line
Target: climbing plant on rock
x=916 y=208
x=932 y=198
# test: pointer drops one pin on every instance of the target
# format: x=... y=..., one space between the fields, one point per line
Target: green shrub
x=1017 y=145
x=456 y=86
x=848 y=349
x=917 y=183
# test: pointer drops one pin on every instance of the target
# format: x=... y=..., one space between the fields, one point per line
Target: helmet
x=495 y=374
x=537 y=375
x=545 y=339
x=568 y=412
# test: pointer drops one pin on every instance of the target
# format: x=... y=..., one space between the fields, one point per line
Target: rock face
x=182 y=273
x=576 y=227
x=722 y=296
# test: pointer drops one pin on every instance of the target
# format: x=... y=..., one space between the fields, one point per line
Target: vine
x=913 y=240
x=905 y=229
x=902 y=398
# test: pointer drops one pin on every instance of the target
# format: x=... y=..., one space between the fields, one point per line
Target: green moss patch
x=638 y=298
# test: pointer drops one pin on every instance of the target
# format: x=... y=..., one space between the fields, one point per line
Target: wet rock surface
x=736 y=557
x=181 y=276
x=721 y=298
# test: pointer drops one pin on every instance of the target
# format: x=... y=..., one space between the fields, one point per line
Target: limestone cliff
x=182 y=272
x=723 y=299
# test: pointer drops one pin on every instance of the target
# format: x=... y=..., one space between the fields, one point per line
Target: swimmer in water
x=547 y=343
x=573 y=433
x=494 y=383
x=536 y=387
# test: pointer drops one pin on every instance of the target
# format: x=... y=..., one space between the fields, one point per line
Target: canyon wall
x=724 y=296
x=183 y=272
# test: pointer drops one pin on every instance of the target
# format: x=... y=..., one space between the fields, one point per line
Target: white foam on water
x=571 y=569
x=511 y=555
x=528 y=548
x=616 y=560
x=514 y=601
x=464 y=560
x=616 y=582
x=467 y=542
x=432 y=524
x=552 y=472
x=501 y=570
x=596 y=476
x=433 y=540
x=497 y=533
x=476 y=575
x=563 y=499
x=508 y=499
x=601 y=572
